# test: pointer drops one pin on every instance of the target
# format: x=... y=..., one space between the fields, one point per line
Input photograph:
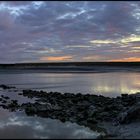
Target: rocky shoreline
x=87 y=110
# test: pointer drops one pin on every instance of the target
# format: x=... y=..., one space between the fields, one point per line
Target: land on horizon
x=73 y=67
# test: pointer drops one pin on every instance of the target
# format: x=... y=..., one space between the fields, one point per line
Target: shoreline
x=108 y=113
x=72 y=67
x=70 y=70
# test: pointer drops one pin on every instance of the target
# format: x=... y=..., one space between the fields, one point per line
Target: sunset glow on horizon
x=130 y=59
x=78 y=31
x=56 y=58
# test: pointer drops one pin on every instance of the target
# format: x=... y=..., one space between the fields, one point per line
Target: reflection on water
x=114 y=84
x=107 y=84
x=17 y=125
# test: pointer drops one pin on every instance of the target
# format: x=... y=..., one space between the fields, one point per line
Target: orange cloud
x=56 y=58
x=94 y=58
x=129 y=59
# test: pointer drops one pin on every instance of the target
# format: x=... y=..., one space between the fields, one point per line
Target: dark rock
x=15 y=101
x=3 y=106
x=129 y=115
x=6 y=97
x=91 y=111
x=91 y=121
x=124 y=95
x=30 y=110
x=5 y=87
x=4 y=101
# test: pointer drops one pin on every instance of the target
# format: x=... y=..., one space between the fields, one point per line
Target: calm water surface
x=18 y=125
x=107 y=84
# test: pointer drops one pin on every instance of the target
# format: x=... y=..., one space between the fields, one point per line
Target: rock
x=6 y=97
x=124 y=95
x=4 y=101
x=130 y=115
x=2 y=96
x=30 y=110
x=91 y=110
x=3 y=106
x=63 y=119
x=91 y=121
x=104 y=114
x=13 y=105
x=56 y=107
x=5 y=87
x=43 y=108
x=15 y=101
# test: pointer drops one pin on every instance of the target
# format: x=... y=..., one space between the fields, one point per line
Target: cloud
x=17 y=3
x=6 y=22
x=56 y=58
x=103 y=41
x=129 y=59
x=94 y=58
x=78 y=46
x=137 y=47
x=126 y=40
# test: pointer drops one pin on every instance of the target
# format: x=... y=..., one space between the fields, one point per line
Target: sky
x=81 y=31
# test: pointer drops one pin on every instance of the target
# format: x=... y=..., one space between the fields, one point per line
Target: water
x=107 y=84
x=18 y=125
